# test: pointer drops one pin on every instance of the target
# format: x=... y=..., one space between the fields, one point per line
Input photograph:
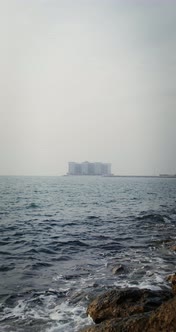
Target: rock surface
x=173 y=248
x=133 y=310
x=164 y=318
x=118 y=269
x=120 y=303
x=131 y=324
x=161 y=320
x=172 y=279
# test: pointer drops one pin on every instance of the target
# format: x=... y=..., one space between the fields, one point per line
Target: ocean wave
x=32 y=206
x=92 y=217
x=111 y=246
x=5 y=268
x=152 y=217
x=61 y=236
x=4 y=243
x=42 y=312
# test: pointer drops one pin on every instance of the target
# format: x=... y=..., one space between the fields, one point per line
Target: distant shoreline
x=106 y=176
x=124 y=176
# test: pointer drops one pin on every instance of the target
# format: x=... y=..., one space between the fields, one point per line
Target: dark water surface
x=61 y=237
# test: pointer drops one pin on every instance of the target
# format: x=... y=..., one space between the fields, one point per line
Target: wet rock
x=167 y=243
x=173 y=248
x=118 y=269
x=168 y=240
x=172 y=279
x=120 y=303
x=149 y=273
x=163 y=319
x=131 y=324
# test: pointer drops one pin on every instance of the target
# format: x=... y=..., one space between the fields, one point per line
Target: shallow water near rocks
x=61 y=237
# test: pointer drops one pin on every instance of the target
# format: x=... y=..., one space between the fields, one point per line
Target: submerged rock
x=120 y=303
x=118 y=269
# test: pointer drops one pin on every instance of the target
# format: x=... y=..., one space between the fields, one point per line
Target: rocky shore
x=134 y=310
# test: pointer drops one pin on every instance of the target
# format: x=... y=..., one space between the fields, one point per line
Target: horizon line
x=161 y=175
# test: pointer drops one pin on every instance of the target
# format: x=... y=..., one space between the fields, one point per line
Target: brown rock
x=120 y=303
x=167 y=240
x=173 y=248
x=164 y=318
x=172 y=279
x=131 y=324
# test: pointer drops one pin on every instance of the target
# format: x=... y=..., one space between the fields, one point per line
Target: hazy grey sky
x=87 y=80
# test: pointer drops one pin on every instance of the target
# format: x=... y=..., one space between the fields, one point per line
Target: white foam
x=58 y=277
x=65 y=316
x=68 y=318
x=167 y=220
x=146 y=285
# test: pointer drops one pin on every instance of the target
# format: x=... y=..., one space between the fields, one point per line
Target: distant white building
x=87 y=168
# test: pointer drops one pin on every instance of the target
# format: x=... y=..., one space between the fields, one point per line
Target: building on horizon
x=88 y=168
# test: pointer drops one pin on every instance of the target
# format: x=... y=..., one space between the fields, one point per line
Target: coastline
x=124 y=176
x=134 y=309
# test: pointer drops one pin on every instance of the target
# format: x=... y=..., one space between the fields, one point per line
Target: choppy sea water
x=62 y=236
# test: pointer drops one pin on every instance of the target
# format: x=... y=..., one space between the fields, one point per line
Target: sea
x=62 y=238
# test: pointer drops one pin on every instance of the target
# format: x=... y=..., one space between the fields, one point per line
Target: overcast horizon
x=87 y=80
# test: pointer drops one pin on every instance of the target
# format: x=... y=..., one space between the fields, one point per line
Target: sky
x=87 y=80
